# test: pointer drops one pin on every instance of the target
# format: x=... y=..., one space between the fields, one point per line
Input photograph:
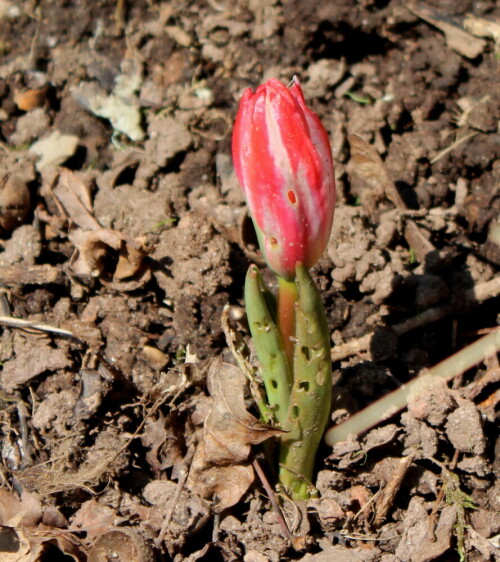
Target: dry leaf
x=153 y=438
x=93 y=518
x=456 y=37
x=41 y=538
x=21 y=535
x=109 y=255
x=100 y=252
x=229 y=429
x=74 y=196
x=12 y=547
x=484 y=27
x=130 y=261
x=220 y=468
x=225 y=485
x=27 y=511
x=20 y=545
x=369 y=167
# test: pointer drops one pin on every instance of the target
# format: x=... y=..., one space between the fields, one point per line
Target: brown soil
x=122 y=239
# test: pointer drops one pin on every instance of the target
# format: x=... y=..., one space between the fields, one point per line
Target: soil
x=124 y=235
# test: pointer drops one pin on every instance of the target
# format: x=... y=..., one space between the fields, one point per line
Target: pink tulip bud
x=283 y=161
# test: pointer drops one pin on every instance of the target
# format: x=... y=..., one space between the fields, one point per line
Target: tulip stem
x=288 y=295
x=310 y=399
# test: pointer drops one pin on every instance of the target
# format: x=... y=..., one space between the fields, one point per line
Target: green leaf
x=261 y=312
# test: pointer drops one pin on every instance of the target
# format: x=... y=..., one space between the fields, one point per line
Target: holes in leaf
x=295 y=412
x=274 y=384
x=292 y=197
x=306 y=353
x=304 y=385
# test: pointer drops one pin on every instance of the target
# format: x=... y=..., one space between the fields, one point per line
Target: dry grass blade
x=478 y=293
x=389 y=405
x=452 y=146
x=277 y=510
x=30 y=326
x=388 y=494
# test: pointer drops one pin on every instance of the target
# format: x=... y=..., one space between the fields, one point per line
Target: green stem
x=310 y=399
x=288 y=295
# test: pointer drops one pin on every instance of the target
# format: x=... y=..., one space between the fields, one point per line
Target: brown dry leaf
x=100 y=252
x=94 y=248
x=111 y=256
x=219 y=467
x=367 y=165
x=223 y=484
x=29 y=539
x=130 y=261
x=12 y=546
x=13 y=512
x=229 y=429
x=93 y=518
x=74 y=196
x=456 y=37
x=484 y=27
x=165 y=438
x=228 y=484
x=153 y=438
x=41 y=538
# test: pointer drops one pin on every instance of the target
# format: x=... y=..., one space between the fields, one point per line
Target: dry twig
x=389 y=405
x=476 y=294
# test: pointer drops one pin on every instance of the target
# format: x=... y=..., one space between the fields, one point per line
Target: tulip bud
x=283 y=161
